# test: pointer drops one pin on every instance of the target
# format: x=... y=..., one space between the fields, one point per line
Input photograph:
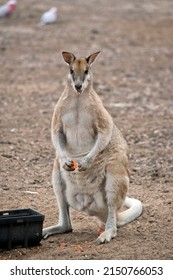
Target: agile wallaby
x=84 y=132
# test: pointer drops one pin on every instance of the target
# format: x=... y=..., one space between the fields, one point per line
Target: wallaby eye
x=86 y=71
x=71 y=71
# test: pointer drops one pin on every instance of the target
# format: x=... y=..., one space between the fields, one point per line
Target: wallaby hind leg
x=116 y=188
x=64 y=224
x=110 y=227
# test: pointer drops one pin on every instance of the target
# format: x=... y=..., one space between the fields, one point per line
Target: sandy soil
x=134 y=77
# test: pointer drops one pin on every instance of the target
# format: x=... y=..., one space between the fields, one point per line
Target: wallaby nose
x=78 y=87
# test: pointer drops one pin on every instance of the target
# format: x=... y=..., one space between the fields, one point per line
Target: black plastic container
x=20 y=228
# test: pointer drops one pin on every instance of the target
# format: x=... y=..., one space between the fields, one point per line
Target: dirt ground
x=134 y=77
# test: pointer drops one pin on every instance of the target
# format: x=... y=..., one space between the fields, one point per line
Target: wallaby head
x=79 y=70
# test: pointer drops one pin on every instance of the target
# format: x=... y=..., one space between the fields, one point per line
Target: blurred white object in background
x=8 y=8
x=49 y=16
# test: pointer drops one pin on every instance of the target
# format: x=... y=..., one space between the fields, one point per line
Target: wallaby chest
x=76 y=112
x=78 y=125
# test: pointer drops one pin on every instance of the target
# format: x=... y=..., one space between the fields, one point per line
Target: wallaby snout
x=78 y=87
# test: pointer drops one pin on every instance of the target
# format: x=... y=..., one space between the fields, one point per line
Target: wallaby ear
x=90 y=59
x=68 y=57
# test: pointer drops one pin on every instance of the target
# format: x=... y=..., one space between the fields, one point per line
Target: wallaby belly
x=85 y=190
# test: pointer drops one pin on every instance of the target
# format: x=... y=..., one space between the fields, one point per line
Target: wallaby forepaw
x=70 y=165
x=84 y=163
x=81 y=167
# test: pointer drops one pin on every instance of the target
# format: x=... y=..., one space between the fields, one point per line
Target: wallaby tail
x=134 y=211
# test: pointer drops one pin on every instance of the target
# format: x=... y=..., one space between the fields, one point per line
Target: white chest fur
x=78 y=127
